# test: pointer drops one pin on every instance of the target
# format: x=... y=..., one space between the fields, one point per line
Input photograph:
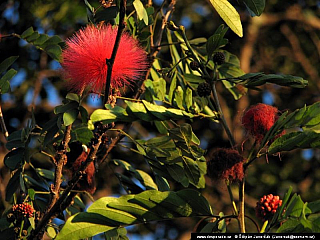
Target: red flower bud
x=258 y=119
x=223 y=163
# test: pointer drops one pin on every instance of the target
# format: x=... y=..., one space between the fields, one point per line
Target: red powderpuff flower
x=224 y=163
x=267 y=206
x=258 y=119
x=84 y=59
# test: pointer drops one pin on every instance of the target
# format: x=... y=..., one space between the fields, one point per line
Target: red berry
x=23 y=210
x=267 y=206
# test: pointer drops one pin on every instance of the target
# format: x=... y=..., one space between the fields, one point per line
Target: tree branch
x=110 y=62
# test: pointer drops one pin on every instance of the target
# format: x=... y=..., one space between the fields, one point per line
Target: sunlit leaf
x=141 y=11
x=229 y=14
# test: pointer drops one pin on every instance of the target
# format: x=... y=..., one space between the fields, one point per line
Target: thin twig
x=3 y=124
x=165 y=18
x=60 y=160
x=110 y=62
x=64 y=199
x=241 y=215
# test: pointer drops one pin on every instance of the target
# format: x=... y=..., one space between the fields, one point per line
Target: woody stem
x=110 y=61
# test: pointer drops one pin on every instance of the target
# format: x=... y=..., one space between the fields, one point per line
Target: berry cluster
x=204 y=89
x=267 y=206
x=23 y=209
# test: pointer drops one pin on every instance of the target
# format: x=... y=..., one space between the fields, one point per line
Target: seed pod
x=219 y=58
x=194 y=65
x=204 y=89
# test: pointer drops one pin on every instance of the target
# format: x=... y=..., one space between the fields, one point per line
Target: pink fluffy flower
x=84 y=59
x=258 y=119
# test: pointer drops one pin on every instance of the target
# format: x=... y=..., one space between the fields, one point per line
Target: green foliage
x=170 y=111
x=144 y=178
x=306 y=118
x=255 y=7
x=252 y=80
x=216 y=41
x=144 y=110
x=109 y=213
x=141 y=11
x=43 y=42
x=296 y=216
x=229 y=14
x=176 y=156
x=4 y=81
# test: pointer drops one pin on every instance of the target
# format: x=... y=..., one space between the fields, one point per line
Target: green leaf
x=82 y=134
x=138 y=110
x=47 y=174
x=217 y=40
x=172 y=89
x=229 y=14
x=178 y=96
x=162 y=183
x=41 y=39
x=15 y=140
x=106 y=14
x=73 y=97
x=14 y=158
x=66 y=107
x=54 y=40
x=290 y=226
x=54 y=51
x=83 y=225
x=13 y=185
x=142 y=176
x=111 y=115
x=255 y=6
x=162 y=126
x=297 y=208
x=51 y=232
x=108 y=213
x=27 y=33
x=116 y=234
x=160 y=88
x=4 y=81
x=198 y=41
x=279 y=79
x=294 y=140
x=32 y=37
x=112 y=216
x=314 y=206
x=197 y=202
x=70 y=116
x=177 y=173
x=188 y=98
x=5 y=64
x=141 y=11
x=280 y=209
